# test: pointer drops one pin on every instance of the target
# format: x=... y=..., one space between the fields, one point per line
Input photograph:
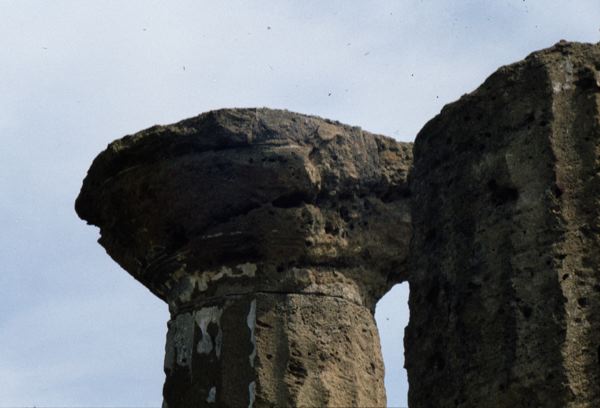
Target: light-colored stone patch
x=180 y=341
x=203 y=318
x=251 y=321
x=248 y=269
x=212 y=395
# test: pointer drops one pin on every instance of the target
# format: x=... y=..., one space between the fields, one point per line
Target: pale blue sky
x=75 y=330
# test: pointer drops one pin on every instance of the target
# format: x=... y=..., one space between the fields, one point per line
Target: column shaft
x=272 y=349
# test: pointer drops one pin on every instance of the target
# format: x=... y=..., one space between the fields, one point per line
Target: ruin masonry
x=271 y=235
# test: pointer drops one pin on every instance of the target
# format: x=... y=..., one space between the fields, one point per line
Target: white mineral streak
x=212 y=395
x=180 y=341
x=251 y=393
x=251 y=321
x=204 y=317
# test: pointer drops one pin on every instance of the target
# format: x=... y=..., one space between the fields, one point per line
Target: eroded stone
x=504 y=299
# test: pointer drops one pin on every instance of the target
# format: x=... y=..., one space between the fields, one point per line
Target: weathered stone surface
x=505 y=284
x=274 y=350
x=271 y=235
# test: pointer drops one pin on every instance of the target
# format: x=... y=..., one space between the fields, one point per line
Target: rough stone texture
x=275 y=350
x=505 y=284
x=271 y=235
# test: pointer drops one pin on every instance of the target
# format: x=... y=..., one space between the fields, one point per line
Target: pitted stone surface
x=505 y=284
x=184 y=206
x=291 y=349
x=271 y=235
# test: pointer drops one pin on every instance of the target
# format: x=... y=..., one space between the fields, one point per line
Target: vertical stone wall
x=505 y=295
x=271 y=236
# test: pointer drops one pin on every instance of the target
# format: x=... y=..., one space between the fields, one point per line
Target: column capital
x=237 y=201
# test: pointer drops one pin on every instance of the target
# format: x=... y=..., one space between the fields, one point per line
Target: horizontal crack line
x=188 y=306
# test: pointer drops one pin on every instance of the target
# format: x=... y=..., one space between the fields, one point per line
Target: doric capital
x=244 y=200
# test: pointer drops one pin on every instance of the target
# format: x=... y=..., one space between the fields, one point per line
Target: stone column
x=505 y=273
x=271 y=236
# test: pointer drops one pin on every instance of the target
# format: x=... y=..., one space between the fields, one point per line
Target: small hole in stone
x=500 y=194
x=433 y=293
x=290 y=200
x=527 y=311
x=178 y=236
x=587 y=82
x=438 y=361
x=345 y=213
x=430 y=235
x=583 y=302
x=331 y=229
x=558 y=192
x=530 y=118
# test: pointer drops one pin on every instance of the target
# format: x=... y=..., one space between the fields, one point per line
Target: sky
x=75 y=329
